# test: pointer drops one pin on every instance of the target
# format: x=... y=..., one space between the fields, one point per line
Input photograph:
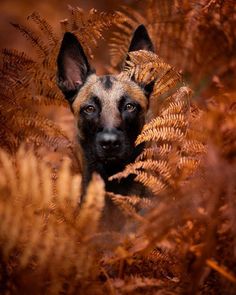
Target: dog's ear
x=141 y=40
x=72 y=66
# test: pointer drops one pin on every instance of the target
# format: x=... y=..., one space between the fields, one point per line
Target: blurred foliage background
x=185 y=242
x=17 y=11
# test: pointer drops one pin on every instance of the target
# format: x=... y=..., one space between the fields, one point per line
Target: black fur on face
x=110 y=110
x=110 y=142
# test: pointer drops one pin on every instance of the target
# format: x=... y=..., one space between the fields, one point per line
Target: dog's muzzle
x=110 y=144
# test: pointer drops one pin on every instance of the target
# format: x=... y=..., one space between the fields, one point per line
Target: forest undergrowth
x=181 y=239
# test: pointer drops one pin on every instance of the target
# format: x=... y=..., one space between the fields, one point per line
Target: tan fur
x=84 y=93
x=121 y=85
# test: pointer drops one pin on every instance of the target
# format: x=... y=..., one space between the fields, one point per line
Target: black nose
x=109 y=141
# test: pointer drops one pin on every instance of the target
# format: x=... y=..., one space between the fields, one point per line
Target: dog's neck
x=106 y=169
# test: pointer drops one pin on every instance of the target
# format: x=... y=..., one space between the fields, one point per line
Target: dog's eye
x=130 y=107
x=89 y=109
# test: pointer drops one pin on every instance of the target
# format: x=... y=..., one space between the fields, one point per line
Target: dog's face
x=110 y=114
x=109 y=110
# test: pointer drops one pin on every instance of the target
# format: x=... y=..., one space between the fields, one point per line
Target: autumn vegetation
x=178 y=239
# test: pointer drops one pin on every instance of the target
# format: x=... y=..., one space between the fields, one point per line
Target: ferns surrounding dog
x=140 y=196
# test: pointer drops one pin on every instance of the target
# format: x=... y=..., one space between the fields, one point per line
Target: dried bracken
x=39 y=220
x=197 y=37
x=27 y=82
x=168 y=157
x=179 y=234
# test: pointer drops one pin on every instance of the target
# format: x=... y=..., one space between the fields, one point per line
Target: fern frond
x=162 y=133
x=175 y=107
x=169 y=79
x=177 y=103
x=68 y=190
x=145 y=72
x=90 y=214
x=166 y=133
x=145 y=66
x=188 y=165
x=193 y=148
x=24 y=125
x=119 y=42
x=92 y=206
x=151 y=182
x=155 y=152
x=13 y=57
x=158 y=167
x=88 y=27
x=44 y=26
x=38 y=217
x=168 y=120
x=128 y=204
x=34 y=39
x=135 y=17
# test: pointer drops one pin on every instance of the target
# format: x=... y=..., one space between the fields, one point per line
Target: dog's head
x=110 y=110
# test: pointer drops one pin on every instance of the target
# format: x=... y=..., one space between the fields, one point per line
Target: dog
x=109 y=111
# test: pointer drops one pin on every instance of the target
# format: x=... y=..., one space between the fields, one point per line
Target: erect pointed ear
x=141 y=40
x=72 y=65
